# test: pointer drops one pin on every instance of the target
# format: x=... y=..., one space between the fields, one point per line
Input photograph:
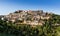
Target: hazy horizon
x=9 y=6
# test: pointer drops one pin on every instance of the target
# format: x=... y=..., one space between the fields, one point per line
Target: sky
x=9 y=6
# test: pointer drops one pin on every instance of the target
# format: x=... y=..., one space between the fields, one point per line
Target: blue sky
x=8 y=6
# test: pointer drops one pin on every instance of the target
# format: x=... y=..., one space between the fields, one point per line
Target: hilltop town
x=30 y=23
x=30 y=17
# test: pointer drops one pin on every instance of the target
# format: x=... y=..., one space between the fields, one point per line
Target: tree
x=48 y=29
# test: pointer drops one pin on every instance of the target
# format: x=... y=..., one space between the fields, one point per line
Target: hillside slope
x=21 y=26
